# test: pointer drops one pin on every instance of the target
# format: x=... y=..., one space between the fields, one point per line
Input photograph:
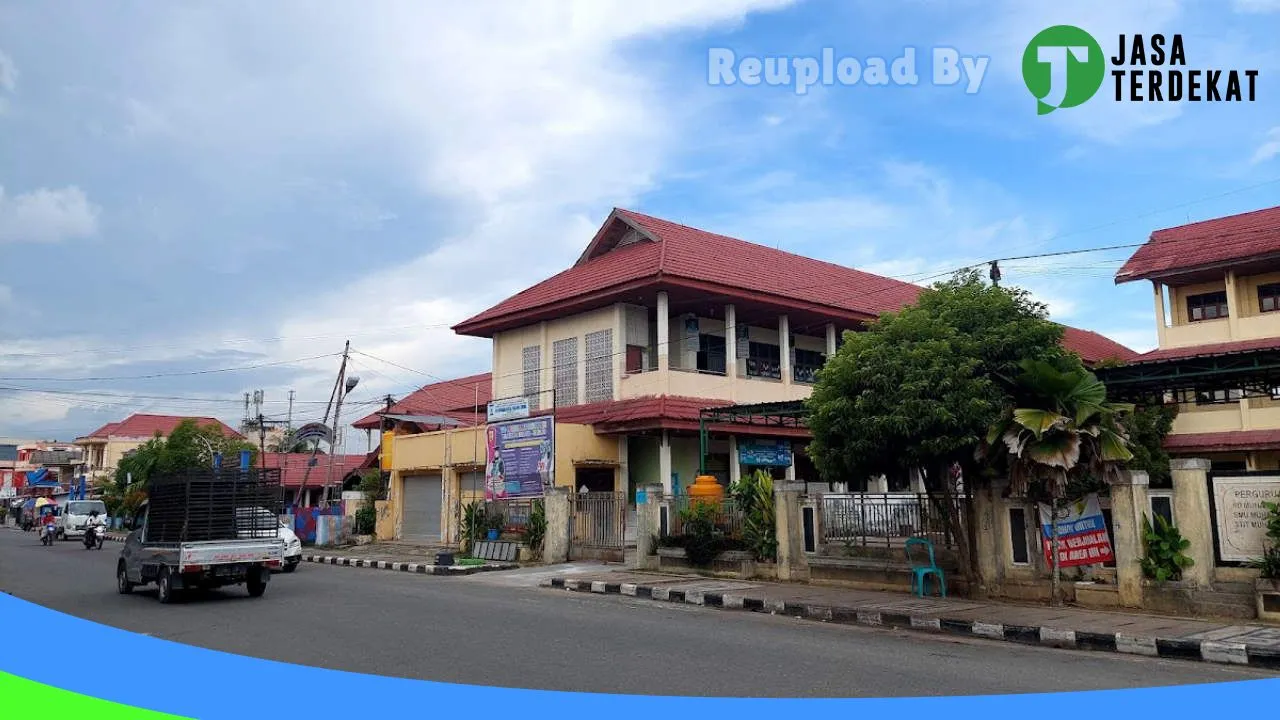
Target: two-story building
x=654 y=322
x=1216 y=289
x=106 y=446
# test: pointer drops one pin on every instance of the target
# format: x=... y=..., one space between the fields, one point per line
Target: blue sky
x=207 y=185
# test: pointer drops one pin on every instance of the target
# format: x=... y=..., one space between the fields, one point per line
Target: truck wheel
x=258 y=582
x=122 y=580
x=165 y=586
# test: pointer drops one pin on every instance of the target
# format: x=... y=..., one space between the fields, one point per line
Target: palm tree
x=1059 y=428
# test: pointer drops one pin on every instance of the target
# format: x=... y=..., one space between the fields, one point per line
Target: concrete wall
x=1247 y=321
x=508 y=348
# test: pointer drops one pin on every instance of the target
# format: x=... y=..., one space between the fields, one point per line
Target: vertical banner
x=692 y=342
x=1082 y=533
x=388 y=443
x=743 y=332
x=519 y=458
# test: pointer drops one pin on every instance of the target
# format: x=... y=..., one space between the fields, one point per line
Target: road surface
x=501 y=629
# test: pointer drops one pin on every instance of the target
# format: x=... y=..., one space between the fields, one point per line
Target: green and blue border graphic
x=153 y=679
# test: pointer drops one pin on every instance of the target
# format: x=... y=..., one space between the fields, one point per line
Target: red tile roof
x=1093 y=347
x=1238 y=441
x=139 y=425
x=1194 y=351
x=676 y=251
x=293 y=467
x=650 y=413
x=1211 y=242
x=456 y=399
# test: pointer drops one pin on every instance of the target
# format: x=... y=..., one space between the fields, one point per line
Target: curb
x=416 y=568
x=1170 y=648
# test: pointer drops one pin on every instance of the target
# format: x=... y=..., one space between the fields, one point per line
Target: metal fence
x=597 y=524
x=515 y=513
x=728 y=521
x=888 y=519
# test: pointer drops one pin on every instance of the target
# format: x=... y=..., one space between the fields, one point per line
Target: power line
x=170 y=374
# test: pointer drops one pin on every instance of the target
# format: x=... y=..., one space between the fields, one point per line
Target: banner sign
x=509 y=409
x=386 y=449
x=692 y=341
x=766 y=453
x=1082 y=534
x=314 y=431
x=743 y=340
x=519 y=458
x=1240 y=517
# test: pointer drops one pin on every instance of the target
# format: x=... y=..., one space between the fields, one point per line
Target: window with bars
x=1208 y=397
x=1269 y=297
x=764 y=360
x=711 y=356
x=599 y=369
x=564 y=356
x=1209 y=306
x=807 y=365
x=531 y=364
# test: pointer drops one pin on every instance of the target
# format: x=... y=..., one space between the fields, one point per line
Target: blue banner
x=519 y=458
x=765 y=453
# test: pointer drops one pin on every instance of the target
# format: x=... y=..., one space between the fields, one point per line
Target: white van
x=261 y=520
x=75 y=515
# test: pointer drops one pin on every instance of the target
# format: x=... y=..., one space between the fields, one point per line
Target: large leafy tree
x=190 y=446
x=920 y=388
x=1058 y=427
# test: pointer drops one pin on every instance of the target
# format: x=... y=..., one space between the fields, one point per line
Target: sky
x=206 y=198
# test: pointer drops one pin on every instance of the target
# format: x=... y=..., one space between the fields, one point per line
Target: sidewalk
x=1072 y=628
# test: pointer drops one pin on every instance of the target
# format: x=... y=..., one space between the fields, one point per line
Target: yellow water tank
x=706 y=489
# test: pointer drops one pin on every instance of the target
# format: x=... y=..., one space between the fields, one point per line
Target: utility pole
x=315 y=445
x=344 y=387
x=384 y=475
x=289 y=424
x=262 y=440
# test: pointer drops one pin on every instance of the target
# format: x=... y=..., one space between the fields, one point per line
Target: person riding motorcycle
x=48 y=523
x=95 y=523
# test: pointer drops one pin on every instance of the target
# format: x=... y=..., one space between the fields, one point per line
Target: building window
x=599 y=366
x=764 y=361
x=1208 y=397
x=1209 y=306
x=1018 y=536
x=1269 y=297
x=711 y=356
x=898 y=481
x=531 y=364
x=808 y=363
x=564 y=356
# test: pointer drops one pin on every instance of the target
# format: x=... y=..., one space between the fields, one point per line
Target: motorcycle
x=47 y=534
x=94 y=536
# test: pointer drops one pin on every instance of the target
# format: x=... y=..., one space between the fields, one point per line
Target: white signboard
x=509 y=409
x=1240 y=517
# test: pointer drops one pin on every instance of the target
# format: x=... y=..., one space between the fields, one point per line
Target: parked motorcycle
x=94 y=536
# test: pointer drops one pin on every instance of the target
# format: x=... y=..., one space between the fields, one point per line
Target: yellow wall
x=682 y=383
x=1247 y=321
x=508 y=348
x=454 y=452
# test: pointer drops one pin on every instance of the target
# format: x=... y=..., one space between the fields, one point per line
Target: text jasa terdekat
x=1154 y=69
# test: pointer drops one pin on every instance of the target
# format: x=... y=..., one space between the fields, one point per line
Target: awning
x=424 y=419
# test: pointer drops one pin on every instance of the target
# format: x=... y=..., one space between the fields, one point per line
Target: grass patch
x=468 y=561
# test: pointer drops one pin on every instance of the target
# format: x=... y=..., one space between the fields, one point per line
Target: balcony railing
x=764 y=369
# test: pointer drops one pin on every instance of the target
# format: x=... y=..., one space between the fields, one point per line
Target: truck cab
x=75 y=516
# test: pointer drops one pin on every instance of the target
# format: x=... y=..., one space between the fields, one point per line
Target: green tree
x=190 y=446
x=1148 y=426
x=1058 y=427
x=921 y=387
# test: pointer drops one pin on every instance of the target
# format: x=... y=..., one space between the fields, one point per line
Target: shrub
x=366 y=520
x=535 y=531
x=1164 y=545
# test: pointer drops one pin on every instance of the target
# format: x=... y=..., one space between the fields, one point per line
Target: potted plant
x=1267 y=586
x=496 y=522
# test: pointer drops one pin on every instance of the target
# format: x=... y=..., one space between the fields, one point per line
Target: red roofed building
x=294 y=473
x=104 y=447
x=656 y=321
x=1216 y=290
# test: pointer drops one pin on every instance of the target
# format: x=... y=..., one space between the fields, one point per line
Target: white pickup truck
x=196 y=534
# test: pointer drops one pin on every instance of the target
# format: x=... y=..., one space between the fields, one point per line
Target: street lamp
x=348 y=386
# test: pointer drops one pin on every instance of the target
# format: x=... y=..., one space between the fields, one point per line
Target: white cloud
x=1269 y=148
x=46 y=216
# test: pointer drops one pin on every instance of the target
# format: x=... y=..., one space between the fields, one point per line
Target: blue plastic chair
x=920 y=573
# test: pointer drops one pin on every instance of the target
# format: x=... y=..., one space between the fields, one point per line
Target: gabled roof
x=1094 y=348
x=293 y=467
x=463 y=399
x=140 y=425
x=1206 y=244
x=632 y=248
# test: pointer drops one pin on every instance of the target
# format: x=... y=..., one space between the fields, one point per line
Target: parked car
x=292 y=545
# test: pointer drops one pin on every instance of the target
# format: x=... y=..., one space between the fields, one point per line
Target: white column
x=546 y=370
x=664 y=339
x=784 y=347
x=831 y=339
x=1161 y=319
x=619 y=350
x=730 y=341
x=624 y=469
x=664 y=461
x=791 y=470
x=735 y=470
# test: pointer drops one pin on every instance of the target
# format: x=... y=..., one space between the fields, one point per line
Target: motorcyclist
x=48 y=522
x=95 y=523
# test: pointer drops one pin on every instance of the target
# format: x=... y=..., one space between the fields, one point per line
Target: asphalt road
x=487 y=629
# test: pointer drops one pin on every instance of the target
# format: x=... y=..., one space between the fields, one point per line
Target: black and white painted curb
x=1178 y=648
x=417 y=568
